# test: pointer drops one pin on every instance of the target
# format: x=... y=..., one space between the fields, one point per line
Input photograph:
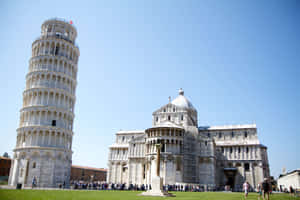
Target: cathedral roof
x=182 y=102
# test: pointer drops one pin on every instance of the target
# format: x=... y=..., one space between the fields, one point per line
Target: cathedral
x=213 y=157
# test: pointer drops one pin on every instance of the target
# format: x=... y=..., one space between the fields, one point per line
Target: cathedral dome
x=182 y=102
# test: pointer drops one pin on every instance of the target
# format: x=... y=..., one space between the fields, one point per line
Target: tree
x=6 y=155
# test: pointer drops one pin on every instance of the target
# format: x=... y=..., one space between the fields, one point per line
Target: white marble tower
x=44 y=137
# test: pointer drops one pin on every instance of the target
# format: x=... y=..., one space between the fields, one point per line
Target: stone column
x=157 y=160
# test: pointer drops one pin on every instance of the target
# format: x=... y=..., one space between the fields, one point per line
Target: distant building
x=289 y=179
x=5 y=164
x=212 y=157
x=81 y=173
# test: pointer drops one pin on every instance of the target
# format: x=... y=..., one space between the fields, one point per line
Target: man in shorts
x=246 y=189
x=266 y=189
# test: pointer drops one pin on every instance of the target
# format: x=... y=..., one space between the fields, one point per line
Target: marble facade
x=212 y=156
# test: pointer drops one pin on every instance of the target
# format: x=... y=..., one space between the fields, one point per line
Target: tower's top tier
x=59 y=28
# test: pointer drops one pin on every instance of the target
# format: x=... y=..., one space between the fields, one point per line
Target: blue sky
x=238 y=62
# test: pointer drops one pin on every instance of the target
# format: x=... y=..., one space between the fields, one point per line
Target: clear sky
x=237 y=61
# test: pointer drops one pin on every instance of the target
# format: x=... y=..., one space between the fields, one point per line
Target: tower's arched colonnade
x=44 y=138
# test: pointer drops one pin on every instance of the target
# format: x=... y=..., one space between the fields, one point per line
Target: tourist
x=246 y=188
x=266 y=189
x=291 y=191
x=259 y=191
x=33 y=182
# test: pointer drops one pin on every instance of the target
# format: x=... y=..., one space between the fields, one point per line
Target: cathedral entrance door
x=230 y=177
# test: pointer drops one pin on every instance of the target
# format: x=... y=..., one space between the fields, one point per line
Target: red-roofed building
x=4 y=167
x=82 y=173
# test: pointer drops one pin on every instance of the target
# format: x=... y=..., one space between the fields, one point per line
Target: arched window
x=247 y=167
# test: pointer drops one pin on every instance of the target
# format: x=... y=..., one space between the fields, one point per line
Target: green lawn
x=127 y=195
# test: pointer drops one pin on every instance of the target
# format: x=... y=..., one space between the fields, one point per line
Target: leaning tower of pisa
x=44 y=137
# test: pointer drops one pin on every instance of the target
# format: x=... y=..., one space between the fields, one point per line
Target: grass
x=126 y=195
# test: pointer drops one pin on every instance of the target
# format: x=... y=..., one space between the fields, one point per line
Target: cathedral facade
x=212 y=157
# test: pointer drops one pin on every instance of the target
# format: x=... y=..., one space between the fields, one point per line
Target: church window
x=144 y=171
x=230 y=149
x=118 y=151
x=163 y=148
x=220 y=135
x=169 y=117
x=181 y=117
x=34 y=165
x=232 y=134
x=156 y=119
x=247 y=150
x=239 y=149
x=247 y=167
x=49 y=29
x=53 y=122
x=164 y=110
x=56 y=50
x=246 y=134
x=123 y=138
x=178 y=164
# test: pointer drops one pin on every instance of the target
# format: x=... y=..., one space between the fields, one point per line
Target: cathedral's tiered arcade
x=208 y=156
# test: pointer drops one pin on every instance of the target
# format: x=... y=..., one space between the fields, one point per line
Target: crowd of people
x=112 y=186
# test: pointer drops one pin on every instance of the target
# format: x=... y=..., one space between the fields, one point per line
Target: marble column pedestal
x=157 y=188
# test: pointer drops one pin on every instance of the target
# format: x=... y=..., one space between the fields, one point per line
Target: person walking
x=246 y=189
x=33 y=183
x=259 y=191
x=266 y=189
